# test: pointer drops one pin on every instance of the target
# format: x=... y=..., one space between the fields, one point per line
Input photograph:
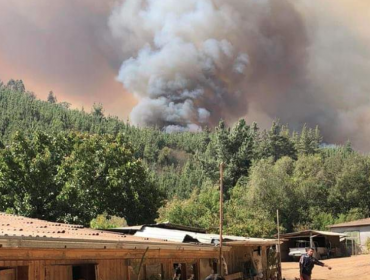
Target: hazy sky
x=64 y=46
x=309 y=60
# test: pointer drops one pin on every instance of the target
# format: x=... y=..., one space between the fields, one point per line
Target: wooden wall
x=47 y=264
x=239 y=255
x=124 y=264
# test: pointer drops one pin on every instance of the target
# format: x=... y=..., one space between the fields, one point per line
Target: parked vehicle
x=301 y=247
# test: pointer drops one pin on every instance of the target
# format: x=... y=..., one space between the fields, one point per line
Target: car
x=301 y=247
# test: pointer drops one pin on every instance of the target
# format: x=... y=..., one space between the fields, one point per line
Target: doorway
x=70 y=272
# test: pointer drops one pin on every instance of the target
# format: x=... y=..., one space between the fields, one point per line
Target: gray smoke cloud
x=190 y=59
x=198 y=61
x=193 y=62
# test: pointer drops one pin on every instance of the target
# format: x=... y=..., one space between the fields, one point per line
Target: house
x=358 y=233
x=32 y=249
x=327 y=244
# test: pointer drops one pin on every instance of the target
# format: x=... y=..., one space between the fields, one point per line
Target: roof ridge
x=359 y=222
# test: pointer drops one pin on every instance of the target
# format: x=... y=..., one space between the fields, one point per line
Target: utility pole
x=278 y=246
x=221 y=214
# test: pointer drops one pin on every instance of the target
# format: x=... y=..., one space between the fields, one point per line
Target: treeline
x=70 y=165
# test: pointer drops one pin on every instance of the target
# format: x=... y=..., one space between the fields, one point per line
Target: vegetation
x=69 y=165
x=368 y=244
x=104 y=221
x=73 y=177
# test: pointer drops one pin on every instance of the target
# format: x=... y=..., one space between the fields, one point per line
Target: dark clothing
x=305 y=277
x=306 y=264
x=177 y=273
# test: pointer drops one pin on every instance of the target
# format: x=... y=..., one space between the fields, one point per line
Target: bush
x=368 y=244
x=104 y=221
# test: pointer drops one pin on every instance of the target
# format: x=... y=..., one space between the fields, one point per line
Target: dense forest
x=63 y=164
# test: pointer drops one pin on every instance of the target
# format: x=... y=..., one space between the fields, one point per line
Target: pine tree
x=16 y=86
x=98 y=110
x=52 y=98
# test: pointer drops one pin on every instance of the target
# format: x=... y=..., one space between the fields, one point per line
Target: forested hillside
x=69 y=165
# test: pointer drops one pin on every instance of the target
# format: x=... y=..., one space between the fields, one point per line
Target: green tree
x=104 y=221
x=243 y=218
x=27 y=171
x=74 y=177
x=16 y=85
x=200 y=210
x=270 y=187
x=101 y=175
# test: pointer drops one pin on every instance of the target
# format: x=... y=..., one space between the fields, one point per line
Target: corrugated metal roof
x=188 y=236
x=306 y=233
x=167 y=225
x=18 y=231
x=357 y=223
x=18 y=226
x=126 y=230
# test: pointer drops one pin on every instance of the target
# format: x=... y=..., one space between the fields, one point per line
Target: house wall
x=124 y=264
x=205 y=267
x=57 y=264
x=364 y=234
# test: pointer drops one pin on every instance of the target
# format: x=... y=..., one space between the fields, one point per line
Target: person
x=215 y=277
x=306 y=264
x=177 y=274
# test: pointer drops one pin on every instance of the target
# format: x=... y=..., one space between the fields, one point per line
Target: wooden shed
x=32 y=249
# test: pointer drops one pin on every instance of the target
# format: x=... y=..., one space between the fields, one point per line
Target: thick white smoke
x=188 y=58
x=192 y=62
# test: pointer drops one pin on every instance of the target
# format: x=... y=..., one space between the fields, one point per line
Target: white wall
x=364 y=233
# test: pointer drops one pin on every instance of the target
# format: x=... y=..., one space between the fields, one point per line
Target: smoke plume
x=192 y=62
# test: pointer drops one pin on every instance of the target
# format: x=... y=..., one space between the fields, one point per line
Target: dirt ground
x=351 y=268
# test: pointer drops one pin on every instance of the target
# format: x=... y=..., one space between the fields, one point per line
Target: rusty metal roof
x=18 y=226
x=18 y=231
x=357 y=223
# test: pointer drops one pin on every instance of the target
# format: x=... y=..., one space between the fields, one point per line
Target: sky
x=299 y=61
x=64 y=46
